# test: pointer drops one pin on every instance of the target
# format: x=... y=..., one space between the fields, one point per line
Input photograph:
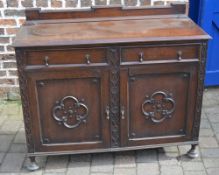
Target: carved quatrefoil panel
x=70 y=112
x=158 y=107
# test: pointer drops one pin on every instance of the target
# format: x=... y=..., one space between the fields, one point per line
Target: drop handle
x=141 y=56
x=87 y=57
x=107 y=113
x=122 y=112
x=46 y=61
x=179 y=55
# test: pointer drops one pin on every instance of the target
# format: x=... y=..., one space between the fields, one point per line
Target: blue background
x=206 y=14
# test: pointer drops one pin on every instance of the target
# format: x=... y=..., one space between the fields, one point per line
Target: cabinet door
x=70 y=109
x=157 y=103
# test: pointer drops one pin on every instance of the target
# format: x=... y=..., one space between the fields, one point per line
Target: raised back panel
x=106 y=11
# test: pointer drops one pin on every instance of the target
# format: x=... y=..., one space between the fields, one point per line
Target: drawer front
x=71 y=56
x=155 y=53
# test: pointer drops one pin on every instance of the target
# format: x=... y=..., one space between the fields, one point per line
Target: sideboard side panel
x=20 y=57
x=200 y=89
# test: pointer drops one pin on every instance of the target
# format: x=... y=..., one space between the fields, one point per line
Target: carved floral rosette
x=158 y=107
x=70 y=112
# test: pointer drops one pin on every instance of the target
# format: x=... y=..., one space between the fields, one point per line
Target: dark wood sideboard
x=110 y=79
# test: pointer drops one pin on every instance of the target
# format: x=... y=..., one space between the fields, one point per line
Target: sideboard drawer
x=67 y=56
x=155 y=53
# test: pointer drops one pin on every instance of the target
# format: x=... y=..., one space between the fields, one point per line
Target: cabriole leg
x=193 y=152
x=32 y=166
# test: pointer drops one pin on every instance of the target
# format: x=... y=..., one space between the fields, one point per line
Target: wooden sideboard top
x=42 y=29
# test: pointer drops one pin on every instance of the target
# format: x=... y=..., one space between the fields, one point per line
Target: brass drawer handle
x=87 y=57
x=141 y=57
x=46 y=61
x=107 y=113
x=122 y=112
x=179 y=54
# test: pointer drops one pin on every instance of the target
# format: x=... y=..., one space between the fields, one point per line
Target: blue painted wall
x=194 y=9
x=208 y=19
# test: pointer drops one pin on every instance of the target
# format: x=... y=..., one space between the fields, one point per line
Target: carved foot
x=32 y=166
x=193 y=152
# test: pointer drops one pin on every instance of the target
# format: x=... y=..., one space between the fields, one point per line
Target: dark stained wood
x=109 y=32
x=105 y=11
x=200 y=89
x=109 y=62
x=67 y=56
x=153 y=53
x=124 y=103
x=114 y=59
x=80 y=84
x=20 y=57
x=174 y=80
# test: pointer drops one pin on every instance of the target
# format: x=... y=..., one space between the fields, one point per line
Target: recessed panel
x=158 y=105
x=70 y=110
